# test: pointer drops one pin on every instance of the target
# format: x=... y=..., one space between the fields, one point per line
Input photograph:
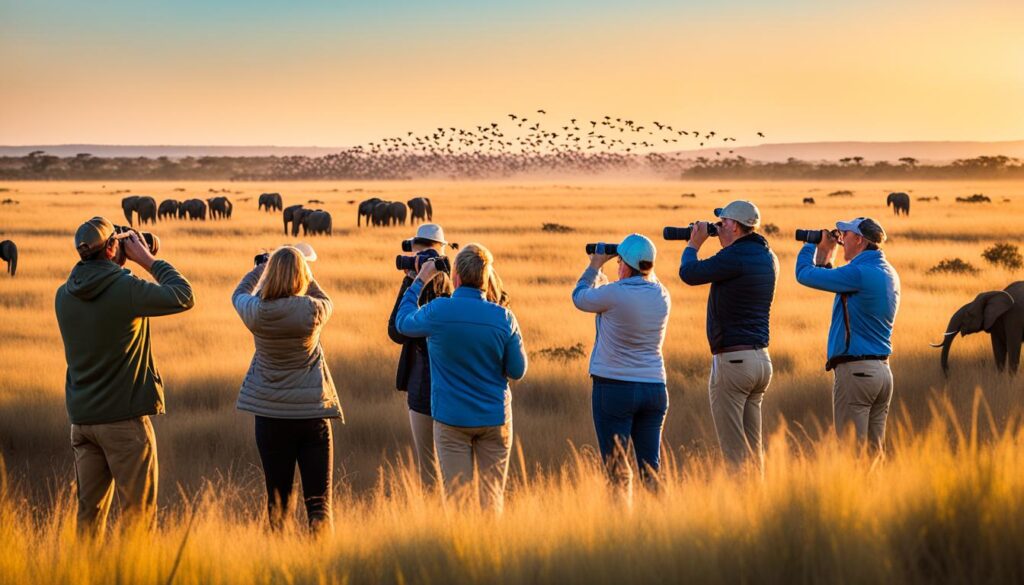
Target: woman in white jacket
x=288 y=386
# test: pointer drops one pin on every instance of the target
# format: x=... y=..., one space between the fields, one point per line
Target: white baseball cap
x=744 y=212
x=306 y=250
x=432 y=232
x=637 y=248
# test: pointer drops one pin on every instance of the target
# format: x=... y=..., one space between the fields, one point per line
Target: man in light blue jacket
x=860 y=338
x=475 y=348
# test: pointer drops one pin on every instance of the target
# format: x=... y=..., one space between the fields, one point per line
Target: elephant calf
x=1000 y=313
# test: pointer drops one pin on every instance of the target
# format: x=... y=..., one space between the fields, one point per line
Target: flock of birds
x=518 y=143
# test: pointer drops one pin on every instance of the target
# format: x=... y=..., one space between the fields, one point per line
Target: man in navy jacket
x=860 y=338
x=742 y=275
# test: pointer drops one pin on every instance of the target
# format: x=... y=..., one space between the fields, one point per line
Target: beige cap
x=744 y=212
x=92 y=236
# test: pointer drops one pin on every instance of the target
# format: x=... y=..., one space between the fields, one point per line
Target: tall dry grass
x=945 y=507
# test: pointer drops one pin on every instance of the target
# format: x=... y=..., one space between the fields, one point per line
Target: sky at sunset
x=336 y=73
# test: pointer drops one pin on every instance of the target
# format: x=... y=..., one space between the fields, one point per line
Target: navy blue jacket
x=743 y=278
x=413 y=375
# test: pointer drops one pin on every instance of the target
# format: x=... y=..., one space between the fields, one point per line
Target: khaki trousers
x=860 y=398
x=422 y=426
x=117 y=456
x=736 y=388
x=458 y=447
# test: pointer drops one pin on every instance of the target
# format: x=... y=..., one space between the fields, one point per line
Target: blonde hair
x=496 y=290
x=287 y=274
x=473 y=265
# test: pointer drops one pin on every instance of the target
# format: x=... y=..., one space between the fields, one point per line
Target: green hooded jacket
x=103 y=312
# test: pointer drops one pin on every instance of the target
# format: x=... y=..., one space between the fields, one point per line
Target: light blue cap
x=635 y=249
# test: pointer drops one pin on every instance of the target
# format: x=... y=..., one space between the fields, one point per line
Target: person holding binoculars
x=288 y=387
x=413 y=376
x=743 y=276
x=867 y=291
x=475 y=348
x=630 y=396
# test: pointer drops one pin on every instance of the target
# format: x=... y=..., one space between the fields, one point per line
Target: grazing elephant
x=9 y=254
x=899 y=202
x=398 y=212
x=195 y=209
x=808 y=200
x=289 y=216
x=220 y=208
x=366 y=210
x=1000 y=313
x=143 y=205
x=169 y=209
x=299 y=219
x=418 y=209
x=271 y=202
x=317 y=223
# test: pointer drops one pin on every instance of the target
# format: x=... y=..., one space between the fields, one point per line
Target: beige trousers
x=458 y=447
x=117 y=456
x=422 y=426
x=736 y=388
x=860 y=398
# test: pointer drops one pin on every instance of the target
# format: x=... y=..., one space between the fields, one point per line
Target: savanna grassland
x=944 y=506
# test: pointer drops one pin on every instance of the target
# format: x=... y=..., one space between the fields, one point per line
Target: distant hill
x=924 y=151
x=155 y=151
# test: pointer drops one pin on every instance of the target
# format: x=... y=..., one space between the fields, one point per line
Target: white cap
x=307 y=251
x=432 y=232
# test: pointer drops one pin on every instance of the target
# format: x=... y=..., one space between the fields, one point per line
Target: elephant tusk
x=946 y=334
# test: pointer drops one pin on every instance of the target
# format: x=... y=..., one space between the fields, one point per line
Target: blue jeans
x=627 y=412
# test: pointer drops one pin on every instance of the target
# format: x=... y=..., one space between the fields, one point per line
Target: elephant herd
x=381 y=213
x=146 y=209
x=312 y=221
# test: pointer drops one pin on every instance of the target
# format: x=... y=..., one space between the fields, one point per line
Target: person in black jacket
x=413 y=376
x=743 y=275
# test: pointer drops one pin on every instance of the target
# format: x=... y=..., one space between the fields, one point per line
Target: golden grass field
x=944 y=506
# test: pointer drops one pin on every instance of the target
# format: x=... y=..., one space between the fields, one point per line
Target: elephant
x=169 y=208
x=299 y=219
x=1000 y=313
x=382 y=213
x=366 y=209
x=289 y=216
x=316 y=223
x=9 y=254
x=143 y=205
x=270 y=202
x=899 y=202
x=398 y=212
x=418 y=207
x=195 y=209
x=808 y=200
x=220 y=208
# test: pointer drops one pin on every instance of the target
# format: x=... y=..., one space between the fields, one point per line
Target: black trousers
x=284 y=442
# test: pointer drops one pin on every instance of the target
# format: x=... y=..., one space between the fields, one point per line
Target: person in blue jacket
x=475 y=348
x=867 y=298
x=630 y=397
x=743 y=275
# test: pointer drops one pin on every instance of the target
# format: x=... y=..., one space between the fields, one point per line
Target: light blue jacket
x=867 y=298
x=631 y=318
x=475 y=348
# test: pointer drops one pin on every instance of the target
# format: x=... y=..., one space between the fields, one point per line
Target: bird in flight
x=761 y=134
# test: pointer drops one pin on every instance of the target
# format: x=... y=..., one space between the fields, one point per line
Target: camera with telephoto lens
x=261 y=258
x=685 y=233
x=813 y=236
x=413 y=263
x=121 y=232
x=603 y=248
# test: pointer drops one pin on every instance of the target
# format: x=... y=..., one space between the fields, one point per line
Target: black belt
x=844 y=359
x=733 y=348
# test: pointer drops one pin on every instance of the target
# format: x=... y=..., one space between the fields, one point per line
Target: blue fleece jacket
x=475 y=348
x=867 y=298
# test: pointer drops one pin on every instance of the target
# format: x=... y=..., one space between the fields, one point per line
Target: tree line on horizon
x=359 y=165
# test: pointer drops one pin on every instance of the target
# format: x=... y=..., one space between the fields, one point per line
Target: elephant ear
x=997 y=304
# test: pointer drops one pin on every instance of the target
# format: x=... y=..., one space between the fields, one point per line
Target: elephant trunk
x=12 y=259
x=128 y=214
x=951 y=331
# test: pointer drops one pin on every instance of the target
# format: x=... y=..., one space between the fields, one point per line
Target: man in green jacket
x=112 y=384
